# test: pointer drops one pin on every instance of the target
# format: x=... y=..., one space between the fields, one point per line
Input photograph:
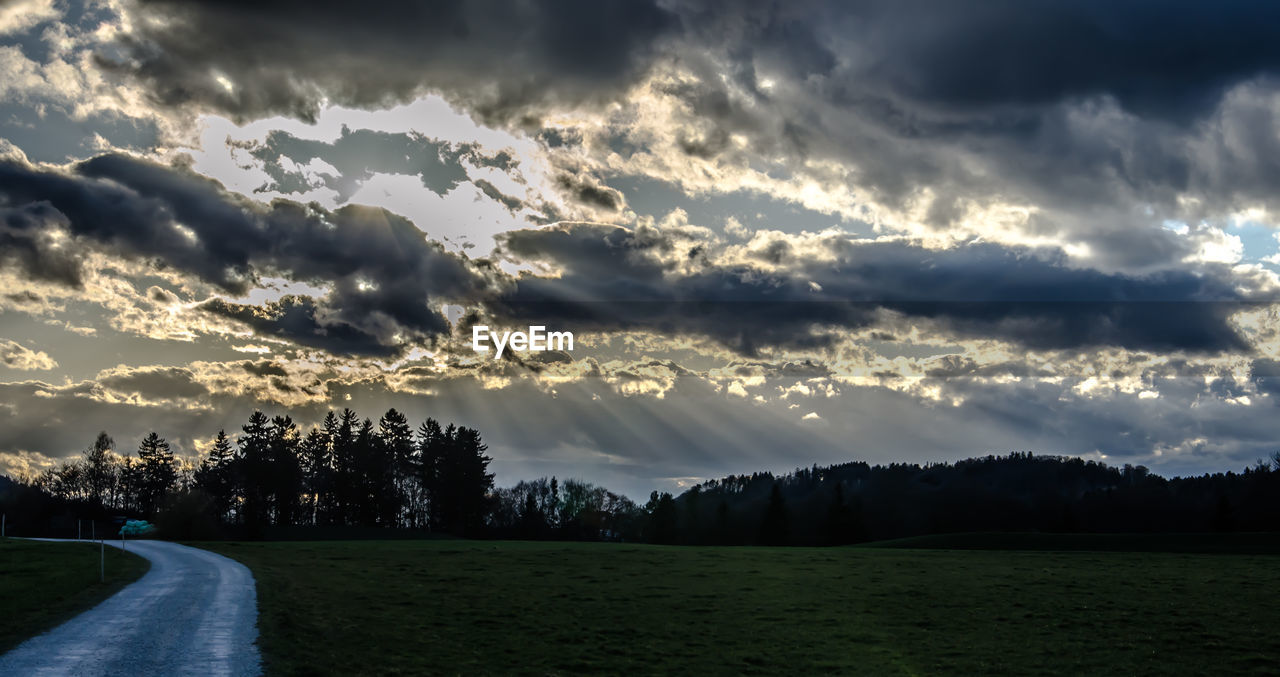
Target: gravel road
x=193 y=613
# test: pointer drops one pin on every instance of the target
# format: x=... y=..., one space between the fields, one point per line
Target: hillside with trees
x=389 y=478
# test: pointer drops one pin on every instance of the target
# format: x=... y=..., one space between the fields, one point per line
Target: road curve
x=193 y=613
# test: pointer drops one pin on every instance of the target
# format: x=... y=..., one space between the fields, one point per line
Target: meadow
x=485 y=607
x=43 y=584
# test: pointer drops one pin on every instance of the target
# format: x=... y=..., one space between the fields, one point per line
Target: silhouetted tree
x=456 y=471
x=159 y=474
x=216 y=476
x=99 y=469
x=285 y=470
x=367 y=474
x=315 y=455
x=661 y=512
x=254 y=476
x=346 y=471
x=395 y=471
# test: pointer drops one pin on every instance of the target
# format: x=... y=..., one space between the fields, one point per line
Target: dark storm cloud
x=386 y=281
x=382 y=272
x=1107 y=116
x=295 y=318
x=615 y=278
x=1166 y=59
x=25 y=245
x=1162 y=59
x=285 y=56
x=1096 y=112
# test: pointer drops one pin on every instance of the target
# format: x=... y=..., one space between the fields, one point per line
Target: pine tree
x=316 y=456
x=431 y=447
x=285 y=474
x=346 y=484
x=397 y=446
x=159 y=474
x=216 y=475
x=254 y=461
x=472 y=479
x=454 y=469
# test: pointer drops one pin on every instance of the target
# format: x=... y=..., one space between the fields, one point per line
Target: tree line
x=350 y=472
x=857 y=502
x=345 y=472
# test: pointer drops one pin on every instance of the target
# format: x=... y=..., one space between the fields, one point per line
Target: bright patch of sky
x=462 y=217
x=1257 y=240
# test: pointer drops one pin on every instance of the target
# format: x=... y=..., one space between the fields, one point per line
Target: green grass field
x=44 y=584
x=465 y=607
x=1221 y=543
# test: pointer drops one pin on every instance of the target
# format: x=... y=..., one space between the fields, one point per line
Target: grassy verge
x=43 y=584
x=555 y=608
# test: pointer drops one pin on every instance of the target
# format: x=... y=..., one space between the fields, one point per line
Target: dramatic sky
x=782 y=233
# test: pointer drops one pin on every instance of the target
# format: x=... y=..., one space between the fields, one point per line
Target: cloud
x=1159 y=59
x=287 y=56
x=592 y=193
x=16 y=356
x=384 y=281
x=18 y=15
x=382 y=273
x=787 y=290
x=1169 y=60
x=1002 y=274
x=919 y=116
x=153 y=383
x=926 y=119
x=298 y=319
x=29 y=242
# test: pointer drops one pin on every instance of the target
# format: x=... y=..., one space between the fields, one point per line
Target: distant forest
x=351 y=476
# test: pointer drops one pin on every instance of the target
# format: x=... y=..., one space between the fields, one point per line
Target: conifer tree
x=158 y=470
